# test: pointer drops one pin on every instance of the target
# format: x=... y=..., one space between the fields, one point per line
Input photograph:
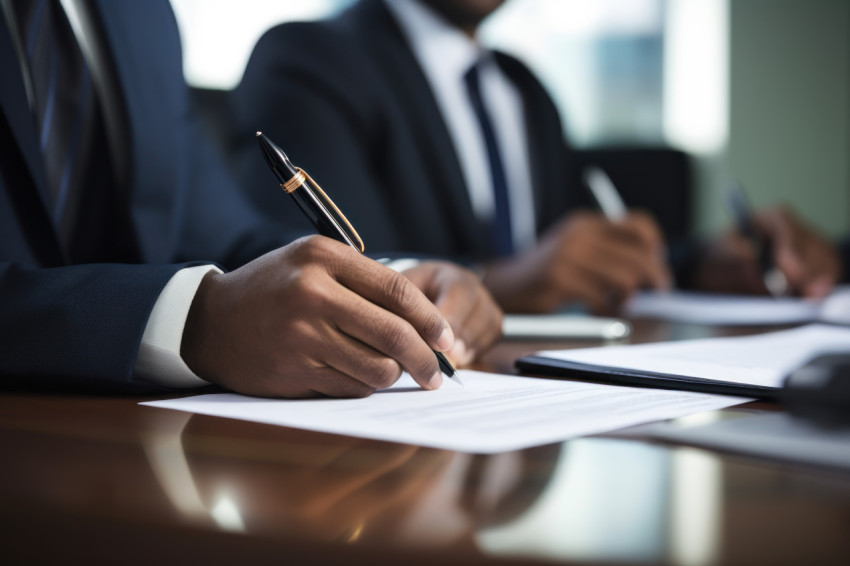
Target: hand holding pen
x=322 y=212
x=774 y=279
x=315 y=318
x=584 y=257
x=809 y=261
x=595 y=259
x=769 y=250
x=310 y=319
x=792 y=258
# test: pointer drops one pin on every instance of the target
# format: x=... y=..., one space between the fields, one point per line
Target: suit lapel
x=98 y=55
x=143 y=69
x=30 y=193
x=16 y=107
x=391 y=51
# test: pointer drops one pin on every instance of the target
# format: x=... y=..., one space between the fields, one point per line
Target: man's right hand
x=313 y=318
x=809 y=261
x=583 y=258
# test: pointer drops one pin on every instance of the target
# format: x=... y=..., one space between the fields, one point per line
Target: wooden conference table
x=94 y=479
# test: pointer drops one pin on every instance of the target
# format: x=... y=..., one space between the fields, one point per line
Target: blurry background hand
x=586 y=258
x=809 y=261
x=473 y=314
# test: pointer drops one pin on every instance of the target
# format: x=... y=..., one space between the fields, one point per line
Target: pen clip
x=300 y=179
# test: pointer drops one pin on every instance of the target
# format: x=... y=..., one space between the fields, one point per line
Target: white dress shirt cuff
x=159 y=359
x=400 y=265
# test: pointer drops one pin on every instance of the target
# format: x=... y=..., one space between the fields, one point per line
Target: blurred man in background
x=443 y=147
x=433 y=144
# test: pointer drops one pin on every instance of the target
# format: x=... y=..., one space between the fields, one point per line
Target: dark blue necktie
x=502 y=233
x=65 y=108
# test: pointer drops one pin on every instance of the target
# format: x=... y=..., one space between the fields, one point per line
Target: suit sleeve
x=78 y=325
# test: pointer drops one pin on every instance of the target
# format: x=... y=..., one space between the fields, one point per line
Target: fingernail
x=436 y=380
x=446 y=339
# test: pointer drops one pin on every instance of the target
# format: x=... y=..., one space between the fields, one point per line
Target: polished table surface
x=90 y=478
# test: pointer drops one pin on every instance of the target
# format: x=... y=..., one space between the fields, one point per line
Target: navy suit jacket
x=175 y=203
x=347 y=100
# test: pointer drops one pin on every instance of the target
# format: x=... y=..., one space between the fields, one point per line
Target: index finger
x=395 y=293
x=645 y=227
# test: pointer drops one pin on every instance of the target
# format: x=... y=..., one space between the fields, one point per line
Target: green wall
x=789 y=106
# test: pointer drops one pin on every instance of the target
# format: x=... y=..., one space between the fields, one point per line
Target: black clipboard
x=553 y=367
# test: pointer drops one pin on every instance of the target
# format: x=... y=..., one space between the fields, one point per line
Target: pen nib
x=456 y=378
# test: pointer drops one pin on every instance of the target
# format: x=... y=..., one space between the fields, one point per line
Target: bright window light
x=218 y=35
x=696 y=75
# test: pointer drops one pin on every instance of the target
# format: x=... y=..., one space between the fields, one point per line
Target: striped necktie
x=502 y=232
x=67 y=115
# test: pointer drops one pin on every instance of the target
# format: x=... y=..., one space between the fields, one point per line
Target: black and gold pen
x=321 y=211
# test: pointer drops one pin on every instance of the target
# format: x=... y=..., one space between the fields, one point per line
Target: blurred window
x=218 y=35
x=600 y=59
x=620 y=71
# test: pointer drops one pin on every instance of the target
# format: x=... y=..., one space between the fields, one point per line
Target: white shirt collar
x=441 y=48
x=445 y=54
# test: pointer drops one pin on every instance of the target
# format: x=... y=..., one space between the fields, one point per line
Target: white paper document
x=711 y=308
x=491 y=413
x=761 y=359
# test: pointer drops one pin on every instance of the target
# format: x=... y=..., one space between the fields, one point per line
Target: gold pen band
x=302 y=177
x=294 y=182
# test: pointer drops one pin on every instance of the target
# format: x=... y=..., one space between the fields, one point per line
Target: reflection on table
x=102 y=474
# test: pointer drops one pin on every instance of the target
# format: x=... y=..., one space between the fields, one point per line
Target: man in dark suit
x=106 y=181
x=432 y=144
